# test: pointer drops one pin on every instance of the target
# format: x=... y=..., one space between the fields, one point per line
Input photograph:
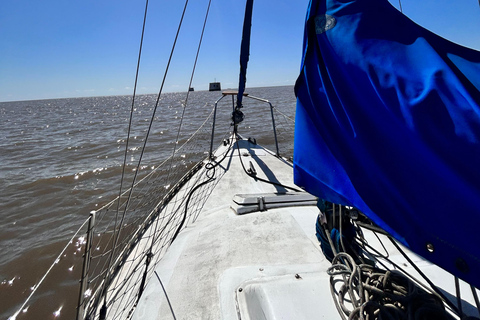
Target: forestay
x=388 y=121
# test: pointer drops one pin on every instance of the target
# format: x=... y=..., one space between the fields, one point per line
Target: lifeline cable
x=160 y=235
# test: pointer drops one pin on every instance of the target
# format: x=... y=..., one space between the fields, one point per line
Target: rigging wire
x=117 y=234
x=188 y=90
x=150 y=251
x=352 y=249
x=400 y=3
x=148 y=131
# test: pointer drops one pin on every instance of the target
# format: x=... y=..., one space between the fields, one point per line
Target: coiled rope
x=362 y=290
x=379 y=294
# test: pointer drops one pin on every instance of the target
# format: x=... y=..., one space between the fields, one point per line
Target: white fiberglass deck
x=261 y=265
x=214 y=257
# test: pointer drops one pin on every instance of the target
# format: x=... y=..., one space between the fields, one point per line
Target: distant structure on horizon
x=191 y=89
x=214 y=86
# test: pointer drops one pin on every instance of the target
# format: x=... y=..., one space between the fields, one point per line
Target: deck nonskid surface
x=226 y=264
x=220 y=241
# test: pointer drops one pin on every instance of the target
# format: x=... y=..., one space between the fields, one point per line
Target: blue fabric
x=244 y=51
x=388 y=121
x=348 y=235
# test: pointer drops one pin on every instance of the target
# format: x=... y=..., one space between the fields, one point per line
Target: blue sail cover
x=245 y=51
x=388 y=121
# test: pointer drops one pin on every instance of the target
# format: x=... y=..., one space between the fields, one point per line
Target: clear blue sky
x=64 y=48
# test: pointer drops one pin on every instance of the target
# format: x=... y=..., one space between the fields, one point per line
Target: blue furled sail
x=388 y=121
x=244 y=51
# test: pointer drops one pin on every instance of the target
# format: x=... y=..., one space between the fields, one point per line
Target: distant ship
x=214 y=86
x=191 y=89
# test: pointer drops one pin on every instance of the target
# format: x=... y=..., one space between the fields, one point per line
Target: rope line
x=379 y=294
x=166 y=295
x=208 y=168
x=362 y=290
x=365 y=245
x=252 y=175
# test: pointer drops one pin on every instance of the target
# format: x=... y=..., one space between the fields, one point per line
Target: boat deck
x=259 y=265
x=211 y=260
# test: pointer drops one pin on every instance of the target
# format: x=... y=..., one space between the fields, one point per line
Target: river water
x=62 y=158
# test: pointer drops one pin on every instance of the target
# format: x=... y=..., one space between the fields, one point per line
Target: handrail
x=232 y=93
x=213 y=126
x=273 y=120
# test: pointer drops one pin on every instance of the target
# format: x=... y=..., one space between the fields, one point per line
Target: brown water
x=62 y=158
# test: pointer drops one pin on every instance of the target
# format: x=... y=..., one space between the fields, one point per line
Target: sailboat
x=375 y=218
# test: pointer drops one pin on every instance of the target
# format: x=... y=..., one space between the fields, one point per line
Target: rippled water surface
x=62 y=158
